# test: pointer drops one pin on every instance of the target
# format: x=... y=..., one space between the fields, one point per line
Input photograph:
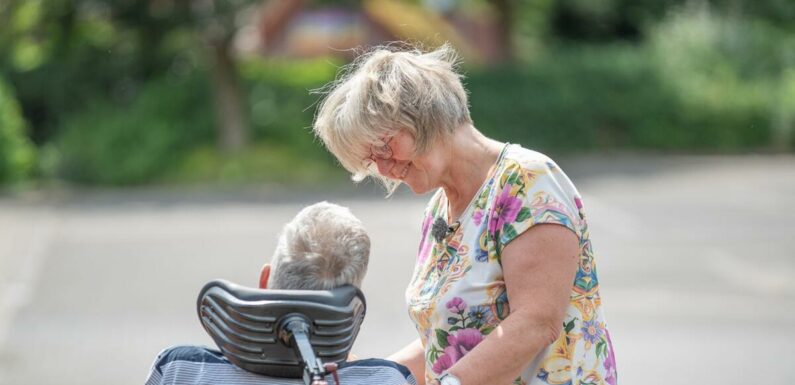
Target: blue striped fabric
x=195 y=365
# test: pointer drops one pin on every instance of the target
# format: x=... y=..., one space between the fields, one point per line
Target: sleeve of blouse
x=532 y=193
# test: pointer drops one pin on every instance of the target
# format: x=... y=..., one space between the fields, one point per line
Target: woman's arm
x=539 y=267
x=413 y=357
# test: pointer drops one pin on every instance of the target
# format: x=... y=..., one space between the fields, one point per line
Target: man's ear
x=264 y=275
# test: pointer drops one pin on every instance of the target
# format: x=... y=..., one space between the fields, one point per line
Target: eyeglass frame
x=383 y=152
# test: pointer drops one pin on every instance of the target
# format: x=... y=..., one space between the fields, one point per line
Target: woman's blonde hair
x=387 y=89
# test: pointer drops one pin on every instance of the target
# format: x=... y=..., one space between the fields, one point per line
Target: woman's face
x=421 y=172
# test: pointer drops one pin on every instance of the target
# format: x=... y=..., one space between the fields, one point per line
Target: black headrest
x=248 y=324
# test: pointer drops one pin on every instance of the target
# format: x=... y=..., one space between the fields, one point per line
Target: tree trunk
x=231 y=121
x=504 y=28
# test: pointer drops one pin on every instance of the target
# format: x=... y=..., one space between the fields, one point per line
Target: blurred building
x=300 y=29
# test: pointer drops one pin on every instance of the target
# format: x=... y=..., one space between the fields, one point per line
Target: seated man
x=322 y=248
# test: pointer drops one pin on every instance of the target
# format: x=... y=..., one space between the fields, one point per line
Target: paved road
x=696 y=256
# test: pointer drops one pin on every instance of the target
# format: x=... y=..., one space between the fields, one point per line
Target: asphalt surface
x=696 y=256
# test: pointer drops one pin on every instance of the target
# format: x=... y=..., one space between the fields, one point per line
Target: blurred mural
x=151 y=91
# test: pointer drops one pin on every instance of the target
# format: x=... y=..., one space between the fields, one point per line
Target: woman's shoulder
x=534 y=171
x=518 y=157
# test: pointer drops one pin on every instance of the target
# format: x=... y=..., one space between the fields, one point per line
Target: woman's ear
x=264 y=275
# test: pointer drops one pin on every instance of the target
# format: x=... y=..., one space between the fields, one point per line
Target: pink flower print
x=477 y=218
x=456 y=305
x=464 y=340
x=444 y=362
x=578 y=203
x=610 y=362
x=505 y=210
x=460 y=343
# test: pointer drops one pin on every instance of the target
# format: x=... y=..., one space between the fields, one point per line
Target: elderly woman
x=505 y=288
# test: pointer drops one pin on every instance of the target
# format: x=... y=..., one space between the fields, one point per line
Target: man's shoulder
x=185 y=364
x=178 y=365
x=189 y=353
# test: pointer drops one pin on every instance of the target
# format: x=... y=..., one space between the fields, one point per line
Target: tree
x=62 y=53
x=215 y=22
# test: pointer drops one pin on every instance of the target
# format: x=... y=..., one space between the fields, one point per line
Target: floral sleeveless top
x=457 y=294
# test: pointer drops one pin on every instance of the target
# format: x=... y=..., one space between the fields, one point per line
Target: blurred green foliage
x=610 y=98
x=700 y=81
x=17 y=154
x=281 y=111
x=107 y=143
x=167 y=133
x=126 y=92
x=729 y=74
x=281 y=102
x=264 y=161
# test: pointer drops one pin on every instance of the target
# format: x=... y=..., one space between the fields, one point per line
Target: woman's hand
x=413 y=357
x=539 y=268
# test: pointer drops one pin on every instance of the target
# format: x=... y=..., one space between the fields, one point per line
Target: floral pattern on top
x=457 y=294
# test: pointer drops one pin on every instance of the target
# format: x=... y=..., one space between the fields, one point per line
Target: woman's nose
x=384 y=165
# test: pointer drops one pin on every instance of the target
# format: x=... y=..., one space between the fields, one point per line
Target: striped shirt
x=195 y=365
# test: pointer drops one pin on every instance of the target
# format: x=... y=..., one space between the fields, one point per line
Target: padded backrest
x=245 y=324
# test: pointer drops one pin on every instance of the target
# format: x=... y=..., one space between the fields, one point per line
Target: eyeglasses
x=383 y=152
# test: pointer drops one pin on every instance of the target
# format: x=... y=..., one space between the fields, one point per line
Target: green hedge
x=166 y=132
x=701 y=83
x=17 y=153
x=135 y=142
x=618 y=98
x=280 y=110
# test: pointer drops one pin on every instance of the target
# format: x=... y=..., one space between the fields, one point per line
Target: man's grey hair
x=323 y=247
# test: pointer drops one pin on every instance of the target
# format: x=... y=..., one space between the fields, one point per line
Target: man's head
x=323 y=247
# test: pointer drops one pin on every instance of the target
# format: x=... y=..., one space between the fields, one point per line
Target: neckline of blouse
x=492 y=172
